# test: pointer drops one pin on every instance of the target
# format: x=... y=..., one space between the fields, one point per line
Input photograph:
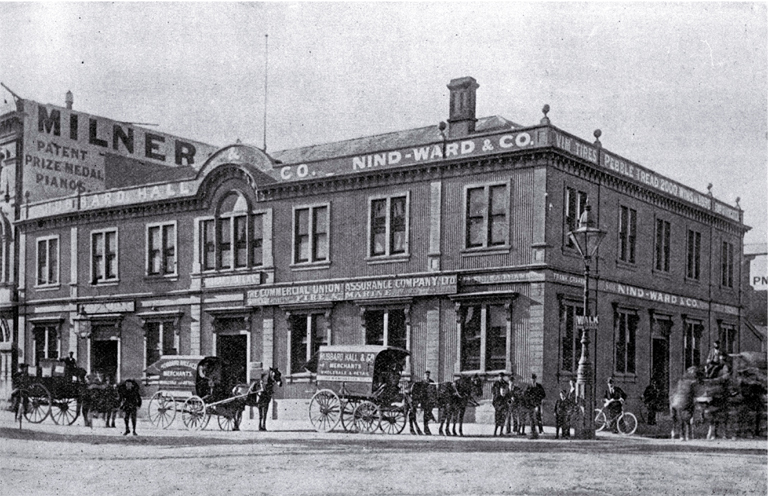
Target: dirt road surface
x=290 y=459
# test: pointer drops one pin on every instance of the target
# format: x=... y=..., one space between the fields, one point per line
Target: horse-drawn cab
x=50 y=388
x=359 y=387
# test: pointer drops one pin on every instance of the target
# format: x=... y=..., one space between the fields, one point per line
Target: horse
x=451 y=399
x=713 y=401
x=100 y=397
x=682 y=404
x=527 y=402
x=261 y=396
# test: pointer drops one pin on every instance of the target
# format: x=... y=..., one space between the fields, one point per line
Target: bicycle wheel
x=627 y=423
x=601 y=421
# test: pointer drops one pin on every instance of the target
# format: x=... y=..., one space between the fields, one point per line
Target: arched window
x=234 y=238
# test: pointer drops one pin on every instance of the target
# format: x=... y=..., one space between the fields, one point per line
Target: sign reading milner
x=351 y=367
x=64 y=151
x=354 y=290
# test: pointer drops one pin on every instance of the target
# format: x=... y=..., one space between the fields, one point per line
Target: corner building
x=449 y=241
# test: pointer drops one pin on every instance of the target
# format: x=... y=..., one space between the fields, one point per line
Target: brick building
x=448 y=240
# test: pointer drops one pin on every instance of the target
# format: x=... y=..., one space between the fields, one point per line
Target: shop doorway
x=234 y=349
x=660 y=366
x=104 y=354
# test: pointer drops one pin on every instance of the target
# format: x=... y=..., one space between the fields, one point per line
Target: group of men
x=504 y=394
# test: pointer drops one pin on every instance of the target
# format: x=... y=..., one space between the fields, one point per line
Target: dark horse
x=100 y=397
x=451 y=399
x=261 y=394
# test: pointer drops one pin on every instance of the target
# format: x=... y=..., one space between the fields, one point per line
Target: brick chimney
x=461 y=117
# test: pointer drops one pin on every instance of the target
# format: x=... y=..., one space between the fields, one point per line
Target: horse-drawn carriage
x=216 y=392
x=52 y=388
x=359 y=388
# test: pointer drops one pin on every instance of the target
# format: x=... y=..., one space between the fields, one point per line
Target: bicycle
x=626 y=423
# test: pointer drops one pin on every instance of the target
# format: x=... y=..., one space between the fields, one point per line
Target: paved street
x=291 y=459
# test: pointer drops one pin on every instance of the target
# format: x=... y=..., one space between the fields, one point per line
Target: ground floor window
x=570 y=336
x=728 y=338
x=46 y=342
x=484 y=334
x=626 y=333
x=691 y=344
x=386 y=327
x=308 y=332
x=160 y=340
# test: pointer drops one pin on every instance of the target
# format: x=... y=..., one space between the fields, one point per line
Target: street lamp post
x=587 y=238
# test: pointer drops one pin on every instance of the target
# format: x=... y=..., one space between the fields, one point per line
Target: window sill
x=311 y=266
x=630 y=378
x=621 y=264
x=693 y=282
x=484 y=374
x=299 y=377
x=111 y=282
x=490 y=250
x=161 y=278
x=48 y=287
x=661 y=273
x=384 y=259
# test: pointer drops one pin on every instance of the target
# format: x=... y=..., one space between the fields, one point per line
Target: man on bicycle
x=614 y=403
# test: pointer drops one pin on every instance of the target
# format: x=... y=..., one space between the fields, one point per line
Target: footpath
x=296 y=430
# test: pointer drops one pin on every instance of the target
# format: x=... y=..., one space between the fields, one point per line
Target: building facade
x=450 y=241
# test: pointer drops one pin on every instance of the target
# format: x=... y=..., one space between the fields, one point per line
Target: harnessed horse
x=451 y=399
x=261 y=397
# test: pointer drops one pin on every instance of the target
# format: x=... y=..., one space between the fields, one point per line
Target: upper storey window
x=388 y=227
x=487 y=214
x=234 y=238
x=104 y=256
x=161 y=249
x=575 y=204
x=627 y=234
x=662 y=245
x=311 y=234
x=48 y=261
x=694 y=255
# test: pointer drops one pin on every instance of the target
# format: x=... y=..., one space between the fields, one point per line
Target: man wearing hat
x=538 y=395
x=715 y=361
x=500 y=395
x=614 y=402
x=427 y=404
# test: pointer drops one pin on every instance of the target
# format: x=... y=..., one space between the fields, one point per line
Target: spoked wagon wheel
x=64 y=411
x=367 y=417
x=227 y=423
x=627 y=423
x=392 y=420
x=194 y=415
x=347 y=415
x=161 y=409
x=324 y=410
x=601 y=421
x=39 y=404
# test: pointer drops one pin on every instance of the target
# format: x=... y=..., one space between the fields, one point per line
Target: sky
x=680 y=88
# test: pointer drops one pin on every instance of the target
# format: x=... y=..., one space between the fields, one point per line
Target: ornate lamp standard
x=587 y=238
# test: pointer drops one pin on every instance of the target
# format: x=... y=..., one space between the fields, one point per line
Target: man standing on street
x=538 y=396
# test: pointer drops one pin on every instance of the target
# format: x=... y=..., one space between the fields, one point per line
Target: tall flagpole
x=266 y=68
